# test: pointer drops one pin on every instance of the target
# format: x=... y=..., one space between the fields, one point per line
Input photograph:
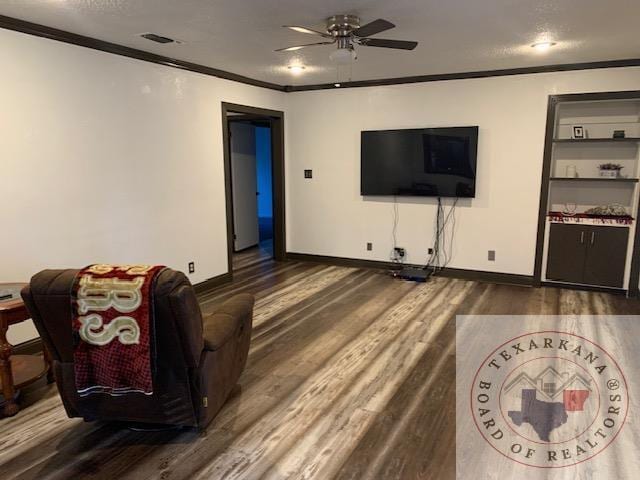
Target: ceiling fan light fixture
x=343 y=56
x=346 y=31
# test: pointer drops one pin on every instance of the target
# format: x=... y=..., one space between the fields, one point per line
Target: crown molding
x=564 y=67
x=43 y=31
x=23 y=26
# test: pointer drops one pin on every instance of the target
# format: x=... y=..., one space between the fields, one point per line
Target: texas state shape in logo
x=549 y=399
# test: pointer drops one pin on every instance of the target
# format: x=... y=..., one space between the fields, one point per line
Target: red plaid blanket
x=112 y=328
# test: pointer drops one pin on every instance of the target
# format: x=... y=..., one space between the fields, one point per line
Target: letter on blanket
x=125 y=329
x=100 y=294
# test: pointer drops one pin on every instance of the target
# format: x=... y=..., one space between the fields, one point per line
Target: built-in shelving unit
x=573 y=185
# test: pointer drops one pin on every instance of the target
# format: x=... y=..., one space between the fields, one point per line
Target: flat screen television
x=428 y=162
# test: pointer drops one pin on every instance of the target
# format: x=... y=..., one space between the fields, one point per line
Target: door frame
x=276 y=123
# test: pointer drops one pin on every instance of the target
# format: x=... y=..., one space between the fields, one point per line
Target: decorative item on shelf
x=578 y=132
x=610 y=209
x=610 y=170
x=612 y=213
x=569 y=209
x=618 y=134
x=571 y=171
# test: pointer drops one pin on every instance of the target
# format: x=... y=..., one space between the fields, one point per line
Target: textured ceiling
x=455 y=35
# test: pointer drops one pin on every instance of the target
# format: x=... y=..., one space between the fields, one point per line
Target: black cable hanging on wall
x=440 y=244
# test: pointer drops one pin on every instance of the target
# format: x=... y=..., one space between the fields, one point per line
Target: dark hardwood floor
x=350 y=376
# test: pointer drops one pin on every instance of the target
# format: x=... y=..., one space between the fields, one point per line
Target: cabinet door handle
x=581 y=237
x=593 y=237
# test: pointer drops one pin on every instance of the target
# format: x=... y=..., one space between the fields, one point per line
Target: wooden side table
x=17 y=371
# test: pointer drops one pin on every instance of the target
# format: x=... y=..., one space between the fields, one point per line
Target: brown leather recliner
x=195 y=362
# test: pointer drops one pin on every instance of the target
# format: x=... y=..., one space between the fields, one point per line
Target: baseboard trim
x=491 y=277
x=588 y=288
x=341 y=261
x=476 y=275
x=212 y=283
x=30 y=347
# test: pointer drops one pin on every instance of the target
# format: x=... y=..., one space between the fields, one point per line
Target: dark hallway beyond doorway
x=252 y=180
x=265 y=189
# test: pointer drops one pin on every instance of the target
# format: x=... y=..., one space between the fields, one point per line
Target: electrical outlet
x=430 y=251
x=491 y=255
x=308 y=174
x=192 y=267
x=397 y=254
x=401 y=252
x=369 y=246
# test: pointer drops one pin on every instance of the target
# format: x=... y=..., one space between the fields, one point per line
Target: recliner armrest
x=230 y=320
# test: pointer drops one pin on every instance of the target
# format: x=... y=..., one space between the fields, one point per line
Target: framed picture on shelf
x=578 y=132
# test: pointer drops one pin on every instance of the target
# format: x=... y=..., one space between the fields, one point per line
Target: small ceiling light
x=543 y=46
x=296 y=69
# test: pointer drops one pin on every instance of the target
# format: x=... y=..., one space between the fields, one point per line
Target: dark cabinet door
x=567 y=252
x=606 y=256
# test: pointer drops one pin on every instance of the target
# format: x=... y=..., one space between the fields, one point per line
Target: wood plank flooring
x=350 y=376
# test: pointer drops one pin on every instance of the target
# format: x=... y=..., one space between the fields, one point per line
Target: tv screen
x=431 y=162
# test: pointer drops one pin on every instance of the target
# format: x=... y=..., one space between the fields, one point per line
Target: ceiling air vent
x=157 y=38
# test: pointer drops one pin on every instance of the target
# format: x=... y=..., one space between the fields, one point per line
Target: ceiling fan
x=345 y=30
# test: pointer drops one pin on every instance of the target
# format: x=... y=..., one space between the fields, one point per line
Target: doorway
x=254 y=180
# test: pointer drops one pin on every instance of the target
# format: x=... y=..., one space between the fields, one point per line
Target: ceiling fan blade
x=310 y=31
x=298 y=47
x=374 y=27
x=384 y=43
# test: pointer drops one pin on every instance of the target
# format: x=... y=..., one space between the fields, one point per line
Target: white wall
x=110 y=159
x=327 y=216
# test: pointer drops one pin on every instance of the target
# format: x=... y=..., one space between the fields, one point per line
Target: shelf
x=597 y=140
x=585 y=219
x=594 y=179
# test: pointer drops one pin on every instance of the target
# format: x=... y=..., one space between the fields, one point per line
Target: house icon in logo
x=546 y=399
x=549 y=383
